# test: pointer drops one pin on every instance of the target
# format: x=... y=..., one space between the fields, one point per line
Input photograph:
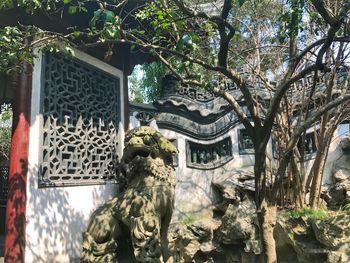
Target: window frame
x=205 y=147
x=80 y=179
x=241 y=149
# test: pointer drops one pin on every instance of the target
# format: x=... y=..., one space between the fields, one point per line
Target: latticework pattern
x=80 y=107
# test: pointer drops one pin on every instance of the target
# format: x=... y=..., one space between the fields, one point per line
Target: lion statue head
x=144 y=148
x=146 y=141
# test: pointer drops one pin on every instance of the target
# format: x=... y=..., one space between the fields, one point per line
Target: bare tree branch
x=296 y=135
x=326 y=14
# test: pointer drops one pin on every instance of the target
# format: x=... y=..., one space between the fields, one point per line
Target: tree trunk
x=320 y=154
x=266 y=211
x=298 y=187
x=320 y=163
x=317 y=179
x=267 y=220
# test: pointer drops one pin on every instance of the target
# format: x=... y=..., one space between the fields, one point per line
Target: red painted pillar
x=16 y=201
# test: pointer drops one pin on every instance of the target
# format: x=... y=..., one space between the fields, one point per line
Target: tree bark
x=298 y=186
x=317 y=181
x=267 y=217
x=319 y=164
x=266 y=211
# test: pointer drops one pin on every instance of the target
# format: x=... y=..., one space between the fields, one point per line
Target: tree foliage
x=148 y=87
x=5 y=134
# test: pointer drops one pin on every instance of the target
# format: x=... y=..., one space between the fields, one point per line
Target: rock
x=295 y=242
x=202 y=229
x=228 y=194
x=334 y=257
x=333 y=232
x=336 y=195
x=193 y=239
x=339 y=192
x=207 y=247
x=301 y=240
x=345 y=144
x=341 y=168
x=239 y=224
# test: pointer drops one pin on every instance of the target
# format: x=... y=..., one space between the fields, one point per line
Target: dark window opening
x=175 y=157
x=245 y=143
x=309 y=145
x=209 y=156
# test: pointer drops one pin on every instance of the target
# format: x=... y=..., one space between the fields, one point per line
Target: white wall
x=194 y=193
x=335 y=152
x=57 y=216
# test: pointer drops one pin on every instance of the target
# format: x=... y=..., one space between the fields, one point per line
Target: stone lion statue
x=142 y=212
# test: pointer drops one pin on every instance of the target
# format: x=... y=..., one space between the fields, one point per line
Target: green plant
x=308 y=212
x=5 y=134
x=5 y=142
x=147 y=87
x=345 y=207
x=188 y=219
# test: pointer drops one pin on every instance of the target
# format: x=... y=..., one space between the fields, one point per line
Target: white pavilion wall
x=334 y=153
x=194 y=192
x=194 y=195
x=57 y=216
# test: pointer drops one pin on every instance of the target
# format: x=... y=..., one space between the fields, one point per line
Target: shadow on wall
x=193 y=194
x=56 y=219
x=16 y=219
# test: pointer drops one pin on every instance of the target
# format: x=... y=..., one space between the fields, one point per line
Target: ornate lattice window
x=245 y=143
x=209 y=156
x=80 y=108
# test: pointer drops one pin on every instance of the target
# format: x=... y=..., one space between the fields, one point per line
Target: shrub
x=346 y=207
x=308 y=212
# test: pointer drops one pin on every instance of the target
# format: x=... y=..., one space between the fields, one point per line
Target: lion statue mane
x=143 y=210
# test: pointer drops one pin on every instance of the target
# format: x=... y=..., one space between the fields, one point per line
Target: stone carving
x=80 y=107
x=143 y=209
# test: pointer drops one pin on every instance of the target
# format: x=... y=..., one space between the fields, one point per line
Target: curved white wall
x=194 y=192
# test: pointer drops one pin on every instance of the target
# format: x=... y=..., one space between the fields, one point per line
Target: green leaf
x=83 y=9
x=97 y=15
x=109 y=16
x=72 y=9
x=110 y=33
x=241 y=2
x=66 y=1
x=76 y=34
